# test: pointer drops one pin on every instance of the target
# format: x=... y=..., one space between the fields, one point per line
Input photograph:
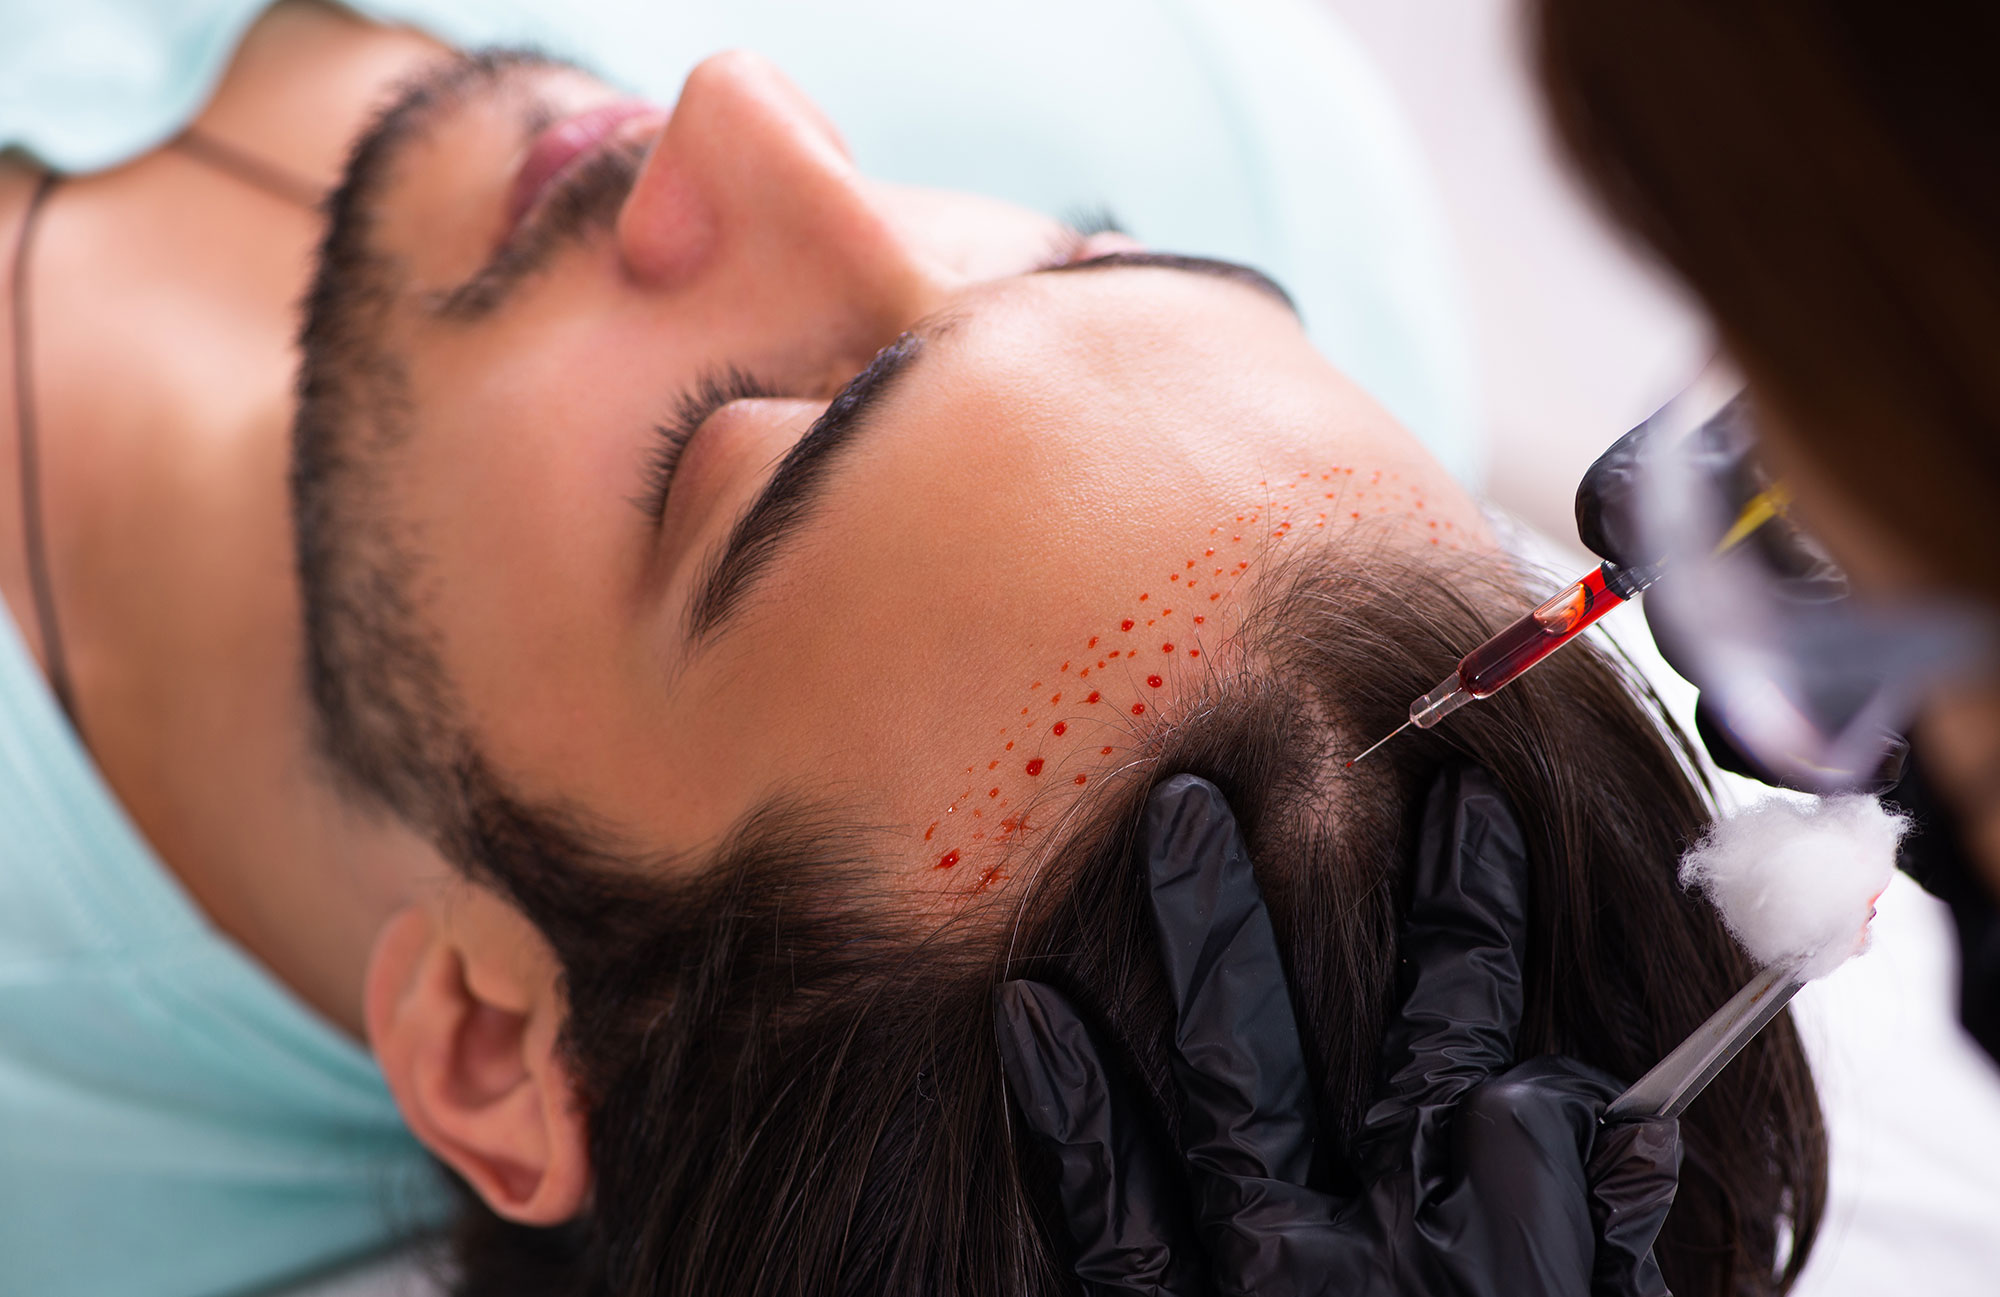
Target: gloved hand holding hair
x=1480 y=1174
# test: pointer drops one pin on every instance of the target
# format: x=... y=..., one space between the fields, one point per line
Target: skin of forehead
x=1025 y=486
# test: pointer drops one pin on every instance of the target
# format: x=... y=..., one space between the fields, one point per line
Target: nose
x=751 y=189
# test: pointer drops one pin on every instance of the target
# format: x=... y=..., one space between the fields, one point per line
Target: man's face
x=944 y=584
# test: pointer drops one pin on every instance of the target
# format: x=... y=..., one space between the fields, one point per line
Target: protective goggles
x=1809 y=679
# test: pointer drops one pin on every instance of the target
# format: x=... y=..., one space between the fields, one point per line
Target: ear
x=465 y=1008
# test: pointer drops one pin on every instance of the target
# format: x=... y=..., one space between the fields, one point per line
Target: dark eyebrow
x=786 y=498
x=1213 y=267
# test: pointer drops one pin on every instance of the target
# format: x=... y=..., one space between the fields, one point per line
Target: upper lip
x=561 y=147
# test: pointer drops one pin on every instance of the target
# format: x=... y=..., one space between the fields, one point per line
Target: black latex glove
x=1481 y=1176
x=1607 y=521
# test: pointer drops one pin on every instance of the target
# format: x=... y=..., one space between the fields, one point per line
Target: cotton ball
x=1797 y=882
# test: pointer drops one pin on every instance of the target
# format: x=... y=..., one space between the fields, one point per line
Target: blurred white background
x=1578 y=338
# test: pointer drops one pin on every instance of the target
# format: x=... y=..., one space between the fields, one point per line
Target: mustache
x=581 y=203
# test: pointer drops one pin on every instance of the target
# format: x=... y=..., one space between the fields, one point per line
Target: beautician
x=1821 y=174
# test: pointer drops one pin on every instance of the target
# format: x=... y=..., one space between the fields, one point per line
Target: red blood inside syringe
x=1501 y=660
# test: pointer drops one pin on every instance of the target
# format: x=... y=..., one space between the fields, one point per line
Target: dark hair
x=793 y=1085
x=1822 y=172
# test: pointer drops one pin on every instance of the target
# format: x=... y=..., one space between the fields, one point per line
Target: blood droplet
x=993 y=765
x=1194 y=653
x=947 y=860
x=1035 y=766
x=932 y=829
x=1094 y=696
x=1138 y=709
x=1104 y=752
x=1059 y=728
x=1199 y=620
x=1144 y=597
x=1126 y=624
x=1154 y=681
x=993 y=792
x=1166 y=648
x=1080 y=779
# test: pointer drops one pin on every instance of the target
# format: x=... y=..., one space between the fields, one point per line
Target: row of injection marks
x=1162 y=630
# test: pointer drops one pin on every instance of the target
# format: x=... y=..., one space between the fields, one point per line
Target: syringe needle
x=1379 y=742
x=1502 y=659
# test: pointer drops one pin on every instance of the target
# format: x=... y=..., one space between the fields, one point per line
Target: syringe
x=1503 y=659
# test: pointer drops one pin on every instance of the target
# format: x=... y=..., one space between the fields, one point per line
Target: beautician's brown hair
x=793 y=1085
x=1825 y=174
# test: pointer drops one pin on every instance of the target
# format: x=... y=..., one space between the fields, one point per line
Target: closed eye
x=719 y=387
x=1073 y=239
x=710 y=393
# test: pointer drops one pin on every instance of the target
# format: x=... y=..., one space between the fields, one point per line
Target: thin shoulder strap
x=31 y=466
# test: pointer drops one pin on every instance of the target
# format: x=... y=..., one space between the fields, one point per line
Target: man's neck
x=164 y=438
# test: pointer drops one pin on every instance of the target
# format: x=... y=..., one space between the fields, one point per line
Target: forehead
x=1043 y=540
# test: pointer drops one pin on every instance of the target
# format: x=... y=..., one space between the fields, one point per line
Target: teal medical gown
x=172 y=1120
